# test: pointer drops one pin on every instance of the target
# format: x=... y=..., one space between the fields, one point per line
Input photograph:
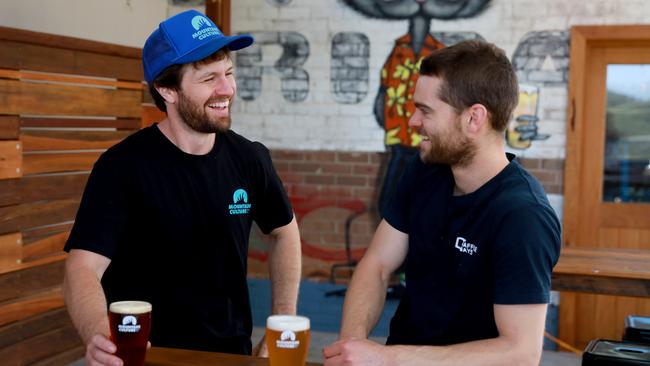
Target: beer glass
x=287 y=338
x=130 y=323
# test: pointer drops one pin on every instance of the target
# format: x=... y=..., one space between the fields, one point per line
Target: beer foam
x=294 y=323
x=130 y=307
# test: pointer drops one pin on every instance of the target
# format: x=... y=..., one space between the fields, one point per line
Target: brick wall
x=328 y=188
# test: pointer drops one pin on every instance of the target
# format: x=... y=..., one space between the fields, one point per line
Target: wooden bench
x=63 y=101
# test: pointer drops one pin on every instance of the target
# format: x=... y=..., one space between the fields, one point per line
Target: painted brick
x=365 y=194
x=545 y=176
x=336 y=168
x=351 y=181
x=305 y=167
x=336 y=191
x=554 y=164
x=530 y=163
x=281 y=166
x=324 y=156
x=366 y=169
x=320 y=179
x=291 y=178
x=352 y=157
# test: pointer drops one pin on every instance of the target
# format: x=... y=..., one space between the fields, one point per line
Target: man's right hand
x=101 y=351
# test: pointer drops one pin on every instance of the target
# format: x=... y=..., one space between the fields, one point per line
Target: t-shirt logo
x=464 y=246
x=240 y=205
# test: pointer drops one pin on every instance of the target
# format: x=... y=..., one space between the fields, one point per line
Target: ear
x=476 y=118
x=170 y=95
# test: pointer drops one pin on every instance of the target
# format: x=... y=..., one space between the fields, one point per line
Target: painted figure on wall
x=394 y=101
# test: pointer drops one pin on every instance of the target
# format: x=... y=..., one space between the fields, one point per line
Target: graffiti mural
x=540 y=59
x=543 y=58
x=289 y=67
x=279 y=2
x=349 y=67
x=187 y=2
x=451 y=38
x=522 y=130
x=394 y=103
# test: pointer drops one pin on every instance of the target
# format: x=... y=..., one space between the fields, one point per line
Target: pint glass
x=287 y=338
x=130 y=323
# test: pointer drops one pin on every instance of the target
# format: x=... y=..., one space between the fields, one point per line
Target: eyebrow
x=211 y=73
x=423 y=107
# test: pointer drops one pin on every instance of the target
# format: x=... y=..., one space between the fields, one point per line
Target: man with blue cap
x=166 y=213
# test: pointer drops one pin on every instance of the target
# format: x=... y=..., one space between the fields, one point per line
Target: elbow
x=526 y=357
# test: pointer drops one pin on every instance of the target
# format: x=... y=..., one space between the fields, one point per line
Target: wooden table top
x=607 y=271
x=157 y=356
x=605 y=262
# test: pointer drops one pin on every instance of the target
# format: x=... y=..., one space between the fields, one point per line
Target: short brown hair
x=475 y=72
x=171 y=76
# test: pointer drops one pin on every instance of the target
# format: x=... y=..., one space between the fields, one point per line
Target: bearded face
x=195 y=114
x=447 y=147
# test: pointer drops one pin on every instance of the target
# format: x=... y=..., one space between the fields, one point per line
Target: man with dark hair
x=166 y=214
x=476 y=232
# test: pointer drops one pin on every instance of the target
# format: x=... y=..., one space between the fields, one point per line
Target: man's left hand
x=260 y=349
x=356 y=352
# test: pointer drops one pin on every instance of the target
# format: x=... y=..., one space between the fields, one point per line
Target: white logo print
x=465 y=247
x=208 y=30
x=240 y=203
x=287 y=340
x=199 y=21
x=129 y=325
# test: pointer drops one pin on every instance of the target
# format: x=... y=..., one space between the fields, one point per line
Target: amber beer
x=287 y=338
x=130 y=323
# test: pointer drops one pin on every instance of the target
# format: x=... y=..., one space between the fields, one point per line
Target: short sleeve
x=526 y=250
x=274 y=209
x=103 y=212
x=397 y=213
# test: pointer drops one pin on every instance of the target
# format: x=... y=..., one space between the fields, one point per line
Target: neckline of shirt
x=177 y=152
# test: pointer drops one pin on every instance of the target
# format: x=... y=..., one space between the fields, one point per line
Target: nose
x=414 y=121
x=225 y=86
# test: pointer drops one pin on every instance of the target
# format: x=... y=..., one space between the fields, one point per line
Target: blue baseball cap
x=184 y=38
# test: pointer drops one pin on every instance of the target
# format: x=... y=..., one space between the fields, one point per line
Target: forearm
x=86 y=304
x=364 y=300
x=487 y=352
x=284 y=270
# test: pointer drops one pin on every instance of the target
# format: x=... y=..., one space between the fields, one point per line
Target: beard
x=196 y=118
x=453 y=150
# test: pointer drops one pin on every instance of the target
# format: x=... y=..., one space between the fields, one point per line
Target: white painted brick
x=527 y=9
x=551 y=22
x=293 y=12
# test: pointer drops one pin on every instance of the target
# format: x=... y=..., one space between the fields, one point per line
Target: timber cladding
x=63 y=101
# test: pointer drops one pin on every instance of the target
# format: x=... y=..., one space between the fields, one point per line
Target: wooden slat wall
x=63 y=101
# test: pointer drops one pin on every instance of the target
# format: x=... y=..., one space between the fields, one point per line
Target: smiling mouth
x=219 y=105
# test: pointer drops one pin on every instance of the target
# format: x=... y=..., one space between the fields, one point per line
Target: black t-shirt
x=496 y=245
x=176 y=228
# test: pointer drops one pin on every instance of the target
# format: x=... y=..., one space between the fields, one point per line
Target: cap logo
x=199 y=21
x=204 y=28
